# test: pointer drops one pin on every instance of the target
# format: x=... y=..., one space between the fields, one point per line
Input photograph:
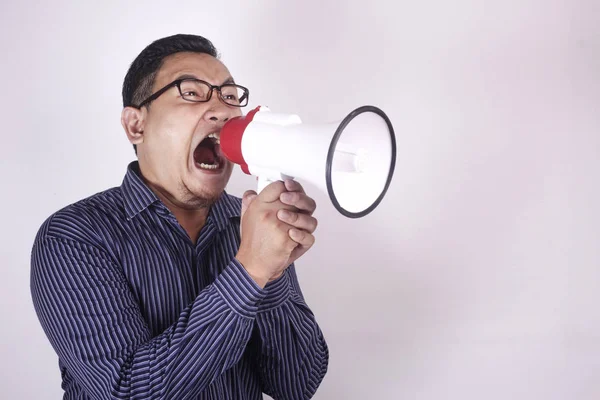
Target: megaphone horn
x=353 y=160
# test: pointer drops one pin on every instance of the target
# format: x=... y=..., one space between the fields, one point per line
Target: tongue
x=204 y=155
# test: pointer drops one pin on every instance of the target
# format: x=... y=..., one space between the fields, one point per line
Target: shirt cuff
x=276 y=292
x=239 y=290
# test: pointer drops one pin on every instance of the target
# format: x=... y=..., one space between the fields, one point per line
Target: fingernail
x=284 y=214
x=287 y=196
x=295 y=234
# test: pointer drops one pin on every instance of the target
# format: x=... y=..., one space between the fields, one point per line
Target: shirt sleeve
x=94 y=323
x=293 y=354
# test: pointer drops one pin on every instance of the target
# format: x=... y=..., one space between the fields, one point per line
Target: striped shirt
x=135 y=310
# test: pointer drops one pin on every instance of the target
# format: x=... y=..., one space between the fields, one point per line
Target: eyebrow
x=186 y=76
x=189 y=76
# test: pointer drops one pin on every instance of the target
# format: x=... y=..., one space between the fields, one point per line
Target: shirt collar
x=226 y=208
x=137 y=196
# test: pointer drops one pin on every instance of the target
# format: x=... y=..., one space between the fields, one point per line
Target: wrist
x=277 y=276
x=256 y=277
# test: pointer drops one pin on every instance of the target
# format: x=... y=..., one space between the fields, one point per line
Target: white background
x=479 y=275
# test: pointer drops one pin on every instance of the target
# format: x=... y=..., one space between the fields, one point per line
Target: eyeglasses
x=198 y=91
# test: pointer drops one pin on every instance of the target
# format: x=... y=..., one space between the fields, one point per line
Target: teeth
x=214 y=136
x=209 y=166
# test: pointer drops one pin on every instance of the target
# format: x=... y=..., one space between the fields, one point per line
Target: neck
x=191 y=218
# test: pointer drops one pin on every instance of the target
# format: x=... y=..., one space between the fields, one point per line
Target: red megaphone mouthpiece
x=231 y=138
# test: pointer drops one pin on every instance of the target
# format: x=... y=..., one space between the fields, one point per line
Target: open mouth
x=207 y=154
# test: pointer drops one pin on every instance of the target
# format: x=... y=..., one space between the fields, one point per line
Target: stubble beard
x=199 y=200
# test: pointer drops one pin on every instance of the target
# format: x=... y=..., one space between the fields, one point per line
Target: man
x=146 y=291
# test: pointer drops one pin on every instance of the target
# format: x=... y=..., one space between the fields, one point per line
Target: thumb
x=247 y=199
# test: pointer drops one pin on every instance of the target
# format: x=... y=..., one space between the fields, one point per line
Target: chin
x=205 y=188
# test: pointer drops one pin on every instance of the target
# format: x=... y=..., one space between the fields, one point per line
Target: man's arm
x=93 y=321
x=278 y=226
x=293 y=353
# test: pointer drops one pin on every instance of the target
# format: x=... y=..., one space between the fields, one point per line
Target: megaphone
x=352 y=160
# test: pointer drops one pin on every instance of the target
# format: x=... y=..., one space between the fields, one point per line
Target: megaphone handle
x=266 y=179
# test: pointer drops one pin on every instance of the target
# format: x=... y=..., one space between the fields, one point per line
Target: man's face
x=176 y=153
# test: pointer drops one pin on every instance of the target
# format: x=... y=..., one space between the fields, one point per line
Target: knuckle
x=301 y=235
x=281 y=226
x=293 y=196
x=265 y=216
x=307 y=222
x=294 y=217
x=310 y=240
x=279 y=186
x=309 y=203
x=284 y=233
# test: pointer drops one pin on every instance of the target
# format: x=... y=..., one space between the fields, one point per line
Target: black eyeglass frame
x=178 y=82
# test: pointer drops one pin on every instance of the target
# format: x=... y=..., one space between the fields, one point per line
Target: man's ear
x=133 y=120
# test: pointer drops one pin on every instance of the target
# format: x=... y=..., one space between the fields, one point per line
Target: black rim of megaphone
x=331 y=153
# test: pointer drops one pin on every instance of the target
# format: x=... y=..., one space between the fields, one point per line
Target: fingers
x=303 y=238
x=293 y=186
x=299 y=200
x=289 y=192
x=298 y=220
x=272 y=192
x=247 y=199
x=248 y=196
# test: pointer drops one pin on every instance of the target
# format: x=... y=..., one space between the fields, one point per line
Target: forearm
x=294 y=355
x=209 y=338
x=93 y=321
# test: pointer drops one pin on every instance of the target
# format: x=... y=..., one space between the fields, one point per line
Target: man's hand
x=277 y=228
x=304 y=224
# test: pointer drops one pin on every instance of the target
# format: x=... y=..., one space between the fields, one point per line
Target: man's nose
x=218 y=112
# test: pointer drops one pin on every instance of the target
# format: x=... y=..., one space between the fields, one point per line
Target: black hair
x=140 y=77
